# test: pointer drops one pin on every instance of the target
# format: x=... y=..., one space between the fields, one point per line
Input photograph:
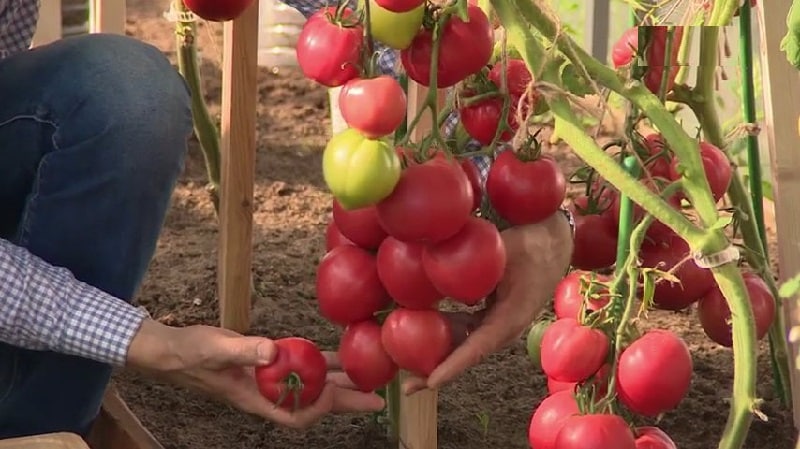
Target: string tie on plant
x=173 y=15
x=727 y=255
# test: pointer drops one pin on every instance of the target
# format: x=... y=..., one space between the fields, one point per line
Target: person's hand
x=220 y=363
x=538 y=257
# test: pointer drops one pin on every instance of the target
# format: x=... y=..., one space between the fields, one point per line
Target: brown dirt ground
x=292 y=207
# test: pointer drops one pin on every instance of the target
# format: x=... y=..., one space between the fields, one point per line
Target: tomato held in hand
x=360 y=226
x=533 y=342
x=571 y=293
x=654 y=373
x=348 y=287
x=694 y=281
x=716 y=166
x=525 y=192
x=653 y=438
x=431 y=202
x=329 y=51
x=363 y=358
x=572 y=352
x=467 y=266
x=595 y=431
x=334 y=237
x=399 y=5
x=296 y=378
x=216 y=10
x=417 y=340
x=453 y=66
x=474 y=177
x=393 y=29
x=359 y=172
x=481 y=120
x=715 y=315
x=401 y=272
x=375 y=107
x=549 y=418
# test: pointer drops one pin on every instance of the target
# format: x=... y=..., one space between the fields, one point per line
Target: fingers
x=241 y=351
x=482 y=342
x=414 y=384
x=341 y=380
x=332 y=360
x=346 y=400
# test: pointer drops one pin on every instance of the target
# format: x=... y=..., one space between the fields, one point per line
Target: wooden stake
x=49 y=441
x=781 y=85
x=238 y=141
x=118 y=428
x=106 y=16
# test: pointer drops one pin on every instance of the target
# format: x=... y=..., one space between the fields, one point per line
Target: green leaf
x=790 y=288
x=722 y=222
x=574 y=82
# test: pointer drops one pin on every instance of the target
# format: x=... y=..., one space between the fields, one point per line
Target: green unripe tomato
x=359 y=172
x=395 y=30
x=534 y=342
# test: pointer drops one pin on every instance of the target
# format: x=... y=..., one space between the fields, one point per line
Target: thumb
x=246 y=351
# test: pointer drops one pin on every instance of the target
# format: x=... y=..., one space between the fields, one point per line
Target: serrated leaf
x=574 y=82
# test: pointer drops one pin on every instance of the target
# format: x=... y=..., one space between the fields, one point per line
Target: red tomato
x=417 y=340
x=694 y=281
x=659 y=157
x=518 y=77
x=375 y=107
x=334 y=237
x=524 y=192
x=654 y=373
x=658 y=231
x=296 y=377
x=430 y=203
x=363 y=358
x=716 y=166
x=570 y=294
x=571 y=352
x=653 y=438
x=715 y=315
x=656 y=58
x=495 y=21
x=595 y=242
x=624 y=50
x=218 y=11
x=481 y=120
x=348 y=287
x=360 y=226
x=474 y=177
x=327 y=52
x=549 y=418
x=399 y=5
x=400 y=270
x=595 y=432
x=467 y=266
x=453 y=65
x=599 y=380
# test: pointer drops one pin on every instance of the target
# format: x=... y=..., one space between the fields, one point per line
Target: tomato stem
x=369 y=55
x=667 y=64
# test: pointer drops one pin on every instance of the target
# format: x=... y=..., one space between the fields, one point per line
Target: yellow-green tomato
x=359 y=171
x=395 y=30
x=534 y=342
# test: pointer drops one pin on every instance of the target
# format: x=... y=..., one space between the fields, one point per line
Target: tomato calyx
x=531 y=149
x=343 y=16
x=293 y=384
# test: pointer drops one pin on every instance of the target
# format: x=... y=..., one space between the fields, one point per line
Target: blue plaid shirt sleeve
x=43 y=307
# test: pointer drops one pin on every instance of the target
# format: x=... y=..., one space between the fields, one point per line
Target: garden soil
x=488 y=407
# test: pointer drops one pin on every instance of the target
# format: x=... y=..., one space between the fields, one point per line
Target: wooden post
x=781 y=84
x=106 y=16
x=418 y=412
x=48 y=29
x=238 y=140
x=597 y=28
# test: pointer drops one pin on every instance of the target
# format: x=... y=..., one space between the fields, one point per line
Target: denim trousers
x=93 y=133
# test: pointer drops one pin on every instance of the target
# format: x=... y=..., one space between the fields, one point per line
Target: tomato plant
x=518 y=78
x=329 y=47
x=717 y=168
x=577 y=288
x=393 y=29
x=595 y=431
x=624 y=50
x=417 y=340
x=217 y=11
x=375 y=107
x=598 y=380
x=549 y=417
x=482 y=118
x=334 y=237
x=653 y=438
x=296 y=377
x=401 y=272
x=533 y=342
x=572 y=352
x=474 y=178
x=348 y=287
x=467 y=266
x=359 y=226
x=363 y=358
x=595 y=242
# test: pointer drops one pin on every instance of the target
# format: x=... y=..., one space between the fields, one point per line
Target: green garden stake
x=625 y=218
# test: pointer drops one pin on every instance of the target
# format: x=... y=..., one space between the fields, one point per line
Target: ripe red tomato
x=481 y=120
x=599 y=380
x=495 y=21
x=474 y=177
x=360 y=226
x=453 y=66
x=334 y=237
x=524 y=192
x=654 y=373
x=375 y=107
x=659 y=157
x=430 y=203
x=595 y=242
x=363 y=358
x=218 y=11
x=715 y=315
x=716 y=166
x=417 y=340
x=570 y=294
x=624 y=50
x=296 y=377
x=467 y=266
x=401 y=272
x=328 y=52
x=518 y=77
x=348 y=287
x=572 y=352
x=399 y=5
x=595 y=431
x=658 y=231
x=549 y=418
x=653 y=438
x=694 y=281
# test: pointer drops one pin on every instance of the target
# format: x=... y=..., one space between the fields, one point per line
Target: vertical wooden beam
x=418 y=412
x=238 y=139
x=597 y=28
x=106 y=16
x=781 y=86
x=49 y=28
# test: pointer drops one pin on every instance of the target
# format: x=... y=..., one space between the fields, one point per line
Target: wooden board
x=781 y=86
x=106 y=16
x=238 y=142
x=48 y=441
x=117 y=427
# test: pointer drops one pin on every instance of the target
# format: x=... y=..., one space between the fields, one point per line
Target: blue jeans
x=93 y=133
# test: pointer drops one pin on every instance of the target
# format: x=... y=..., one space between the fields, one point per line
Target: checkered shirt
x=17 y=24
